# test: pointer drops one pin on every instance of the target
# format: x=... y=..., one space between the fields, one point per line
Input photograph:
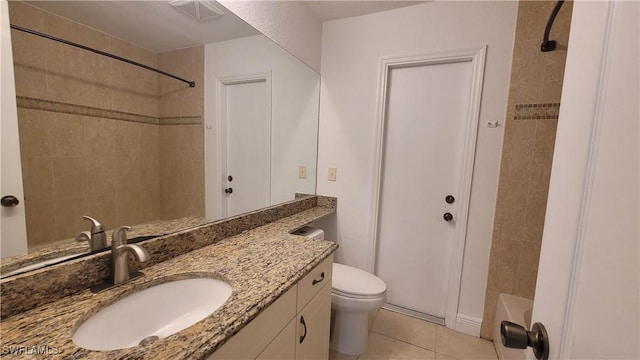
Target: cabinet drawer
x=314 y=281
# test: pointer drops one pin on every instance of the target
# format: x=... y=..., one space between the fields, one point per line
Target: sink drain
x=149 y=340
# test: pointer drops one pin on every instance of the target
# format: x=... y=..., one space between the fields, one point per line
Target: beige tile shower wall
x=76 y=164
x=530 y=128
x=181 y=111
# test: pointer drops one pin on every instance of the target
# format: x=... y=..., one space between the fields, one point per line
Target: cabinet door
x=282 y=347
x=312 y=339
x=259 y=333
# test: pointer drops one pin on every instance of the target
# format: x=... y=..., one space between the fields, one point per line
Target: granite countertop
x=81 y=248
x=259 y=264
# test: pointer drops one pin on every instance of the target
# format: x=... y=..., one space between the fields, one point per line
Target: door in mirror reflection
x=247 y=121
x=14 y=232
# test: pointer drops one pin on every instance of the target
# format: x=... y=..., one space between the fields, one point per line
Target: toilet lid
x=349 y=280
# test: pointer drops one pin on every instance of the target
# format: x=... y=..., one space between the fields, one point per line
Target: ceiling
x=153 y=25
x=158 y=27
x=334 y=10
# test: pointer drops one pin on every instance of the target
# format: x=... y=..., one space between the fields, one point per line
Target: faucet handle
x=119 y=236
x=96 y=226
x=83 y=236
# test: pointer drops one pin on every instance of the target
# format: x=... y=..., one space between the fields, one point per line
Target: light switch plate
x=332 y=174
x=302 y=172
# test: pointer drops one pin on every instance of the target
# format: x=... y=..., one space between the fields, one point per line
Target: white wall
x=291 y=24
x=351 y=50
x=294 y=113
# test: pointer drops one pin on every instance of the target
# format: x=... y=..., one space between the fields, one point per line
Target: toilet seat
x=355 y=283
x=353 y=296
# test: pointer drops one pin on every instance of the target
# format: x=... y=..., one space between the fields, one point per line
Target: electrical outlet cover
x=332 y=174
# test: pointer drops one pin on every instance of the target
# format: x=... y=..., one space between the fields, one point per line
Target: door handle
x=9 y=201
x=304 y=335
x=228 y=190
x=515 y=336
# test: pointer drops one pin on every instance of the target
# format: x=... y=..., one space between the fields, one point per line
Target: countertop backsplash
x=29 y=290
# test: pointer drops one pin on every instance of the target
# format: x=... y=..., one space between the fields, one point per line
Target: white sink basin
x=153 y=313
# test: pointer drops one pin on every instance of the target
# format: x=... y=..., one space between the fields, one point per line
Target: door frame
x=477 y=57
x=221 y=130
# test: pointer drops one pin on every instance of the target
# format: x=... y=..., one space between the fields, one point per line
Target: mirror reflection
x=127 y=146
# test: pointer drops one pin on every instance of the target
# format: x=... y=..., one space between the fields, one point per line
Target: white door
x=14 y=233
x=248 y=144
x=427 y=111
x=588 y=287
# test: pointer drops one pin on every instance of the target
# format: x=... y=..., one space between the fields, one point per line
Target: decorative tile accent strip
x=66 y=108
x=183 y=120
x=537 y=111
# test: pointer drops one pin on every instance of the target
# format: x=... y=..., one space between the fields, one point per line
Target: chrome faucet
x=119 y=251
x=97 y=238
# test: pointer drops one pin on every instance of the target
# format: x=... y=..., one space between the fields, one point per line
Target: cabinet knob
x=315 y=281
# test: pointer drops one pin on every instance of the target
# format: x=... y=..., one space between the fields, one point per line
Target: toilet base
x=350 y=333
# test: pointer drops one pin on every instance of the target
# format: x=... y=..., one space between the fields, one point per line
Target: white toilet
x=354 y=294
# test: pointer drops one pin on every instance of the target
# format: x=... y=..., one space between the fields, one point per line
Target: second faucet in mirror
x=96 y=237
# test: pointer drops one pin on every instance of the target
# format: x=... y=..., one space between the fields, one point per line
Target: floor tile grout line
x=436 y=351
x=435 y=344
x=402 y=341
x=437 y=335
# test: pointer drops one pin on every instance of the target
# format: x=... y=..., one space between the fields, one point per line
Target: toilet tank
x=310 y=232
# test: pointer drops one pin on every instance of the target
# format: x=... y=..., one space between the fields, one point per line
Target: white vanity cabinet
x=296 y=326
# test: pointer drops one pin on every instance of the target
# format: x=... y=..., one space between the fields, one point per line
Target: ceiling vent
x=198 y=9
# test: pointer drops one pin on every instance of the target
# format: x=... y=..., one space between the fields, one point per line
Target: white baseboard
x=468 y=324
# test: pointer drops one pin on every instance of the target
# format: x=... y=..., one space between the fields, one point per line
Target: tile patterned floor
x=397 y=336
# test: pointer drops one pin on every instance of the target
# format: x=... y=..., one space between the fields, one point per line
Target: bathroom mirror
x=127 y=146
